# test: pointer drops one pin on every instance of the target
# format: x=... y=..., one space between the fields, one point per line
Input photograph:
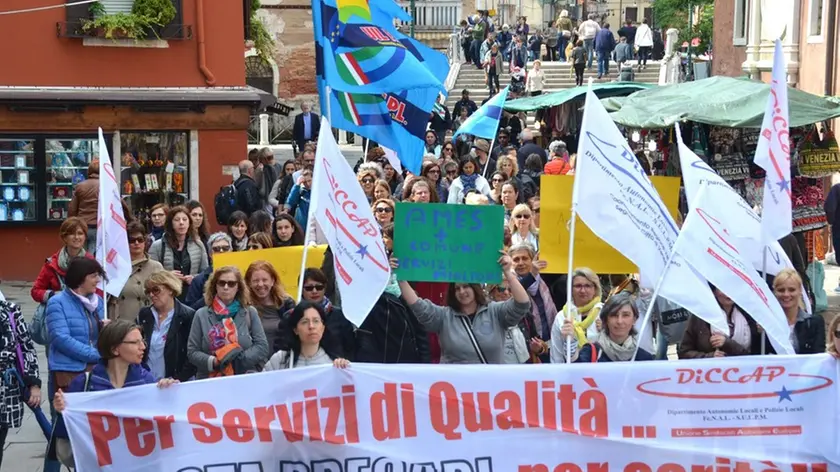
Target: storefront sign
x=731 y=166
x=819 y=158
x=286 y=261
x=760 y=413
x=807 y=218
x=590 y=250
x=439 y=242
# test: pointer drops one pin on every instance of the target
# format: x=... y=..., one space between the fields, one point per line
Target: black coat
x=391 y=334
x=297 y=130
x=248 y=198
x=175 y=349
x=341 y=337
x=810 y=334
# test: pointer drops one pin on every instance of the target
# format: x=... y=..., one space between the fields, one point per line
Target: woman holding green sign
x=470 y=330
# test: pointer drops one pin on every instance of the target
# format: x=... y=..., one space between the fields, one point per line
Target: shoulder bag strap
x=468 y=327
x=18 y=350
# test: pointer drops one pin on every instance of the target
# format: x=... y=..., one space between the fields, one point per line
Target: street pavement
x=24 y=448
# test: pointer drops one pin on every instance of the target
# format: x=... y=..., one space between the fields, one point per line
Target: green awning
x=718 y=101
x=609 y=89
x=613 y=103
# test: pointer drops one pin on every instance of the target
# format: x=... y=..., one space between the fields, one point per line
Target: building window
x=113 y=7
x=739 y=36
x=154 y=169
x=631 y=14
x=67 y=161
x=17 y=180
x=815 y=19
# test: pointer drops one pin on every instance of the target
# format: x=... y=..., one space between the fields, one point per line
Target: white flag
x=111 y=239
x=393 y=159
x=709 y=246
x=773 y=155
x=618 y=202
x=340 y=207
x=735 y=213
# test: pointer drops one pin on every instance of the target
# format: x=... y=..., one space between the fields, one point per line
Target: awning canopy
x=52 y=96
x=610 y=89
x=718 y=101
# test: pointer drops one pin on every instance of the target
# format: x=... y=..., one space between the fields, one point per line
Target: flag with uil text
x=362 y=52
x=111 y=239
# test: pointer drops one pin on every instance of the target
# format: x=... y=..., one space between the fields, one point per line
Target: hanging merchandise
x=749 y=143
x=808 y=198
x=819 y=157
x=727 y=160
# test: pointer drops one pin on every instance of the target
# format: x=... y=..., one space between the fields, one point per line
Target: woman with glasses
x=469 y=178
x=586 y=296
x=166 y=329
x=447 y=152
x=219 y=243
x=381 y=190
x=157 y=220
x=807 y=331
x=314 y=290
x=431 y=171
x=181 y=250
x=227 y=337
x=308 y=334
x=133 y=296
x=522 y=226
x=450 y=170
x=383 y=211
x=269 y=297
x=259 y=241
x=496 y=181
x=367 y=178
x=287 y=231
x=238 y=230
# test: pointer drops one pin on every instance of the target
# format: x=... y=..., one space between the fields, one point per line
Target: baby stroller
x=517 y=80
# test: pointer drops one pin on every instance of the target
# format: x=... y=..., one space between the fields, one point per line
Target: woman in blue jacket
x=74 y=318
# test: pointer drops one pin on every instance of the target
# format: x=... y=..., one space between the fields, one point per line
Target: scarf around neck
x=90 y=302
x=64 y=258
x=617 y=352
x=540 y=288
x=225 y=311
x=588 y=313
x=468 y=181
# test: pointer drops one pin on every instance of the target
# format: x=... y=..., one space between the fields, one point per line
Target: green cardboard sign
x=439 y=242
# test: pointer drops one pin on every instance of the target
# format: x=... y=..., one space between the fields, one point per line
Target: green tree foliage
x=675 y=14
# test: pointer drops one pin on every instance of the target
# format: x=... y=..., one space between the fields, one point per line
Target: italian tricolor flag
x=348 y=65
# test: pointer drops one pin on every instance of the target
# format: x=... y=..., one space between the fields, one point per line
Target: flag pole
x=764 y=276
x=490 y=153
x=649 y=311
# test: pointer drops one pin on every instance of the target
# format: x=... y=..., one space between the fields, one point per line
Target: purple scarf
x=548 y=303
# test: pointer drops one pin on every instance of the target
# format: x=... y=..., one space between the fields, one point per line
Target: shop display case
x=18 y=198
x=154 y=170
x=67 y=162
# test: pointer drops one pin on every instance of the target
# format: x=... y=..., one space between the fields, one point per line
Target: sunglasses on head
x=227 y=283
x=313 y=288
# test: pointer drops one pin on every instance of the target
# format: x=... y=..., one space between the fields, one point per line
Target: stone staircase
x=557 y=77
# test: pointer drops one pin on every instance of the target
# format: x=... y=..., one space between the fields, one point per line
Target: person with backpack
x=247 y=194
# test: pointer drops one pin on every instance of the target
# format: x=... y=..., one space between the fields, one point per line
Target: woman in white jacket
x=468 y=179
x=308 y=336
x=644 y=41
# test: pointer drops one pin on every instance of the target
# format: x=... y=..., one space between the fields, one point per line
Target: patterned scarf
x=64 y=258
x=224 y=337
x=550 y=309
x=468 y=182
x=588 y=313
x=617 y=352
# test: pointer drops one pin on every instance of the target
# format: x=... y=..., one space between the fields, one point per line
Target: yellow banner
x=286 y=261
x=590 y=250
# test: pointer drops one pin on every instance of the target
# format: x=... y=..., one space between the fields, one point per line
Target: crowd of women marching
x=178 y=319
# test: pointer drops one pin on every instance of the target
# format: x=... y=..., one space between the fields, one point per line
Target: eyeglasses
x=500 y=289
x=448 y=149
x=153 y=291
x=367 y=180
x=452 y=172
x=313 y=288
x=227 y=283
x=158 y=215
x=312 y=322
x=583 y=287
x=220 y=248
x=496 y=180
x=434 y=171
x=254 y=247
x=384 y=210
x=523 y=216
x=141 y=239
x=139 y=342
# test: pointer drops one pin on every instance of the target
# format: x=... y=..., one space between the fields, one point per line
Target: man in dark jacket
x=528 y=148
x=628 y=31
x=307 y=126
x=440 y=120
x=604 y=45
x=391 y=334
x=465 y=102
x=247 y=195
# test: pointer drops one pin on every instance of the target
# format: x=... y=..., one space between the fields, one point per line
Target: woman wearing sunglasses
x=368 y=174
x=383 y=211
x=227 y=337
x=522 y=226
x=166 y=329
x=314 y=290
x=133 y=296
x=432 y=171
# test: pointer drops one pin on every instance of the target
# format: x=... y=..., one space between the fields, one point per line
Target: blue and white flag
x=485 y=121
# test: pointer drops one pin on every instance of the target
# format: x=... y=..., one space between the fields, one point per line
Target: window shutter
x=75 y=14
x=117 y=6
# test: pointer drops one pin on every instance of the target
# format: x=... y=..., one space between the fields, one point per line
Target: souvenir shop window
x=154 y=170
x=17 y=180
x=67 y=162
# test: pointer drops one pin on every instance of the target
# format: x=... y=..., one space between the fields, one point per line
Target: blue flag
x=485 y=121
x=362 y=52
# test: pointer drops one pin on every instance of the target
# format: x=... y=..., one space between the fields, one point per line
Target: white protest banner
x=393 y=159
x=742 y=414
x=618 y=202
x=773 y=155
x=111 y=240
x=734 y=212
x=341 y=209
x=708 y=245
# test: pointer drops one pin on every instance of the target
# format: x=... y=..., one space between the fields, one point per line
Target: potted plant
x=159 y=13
